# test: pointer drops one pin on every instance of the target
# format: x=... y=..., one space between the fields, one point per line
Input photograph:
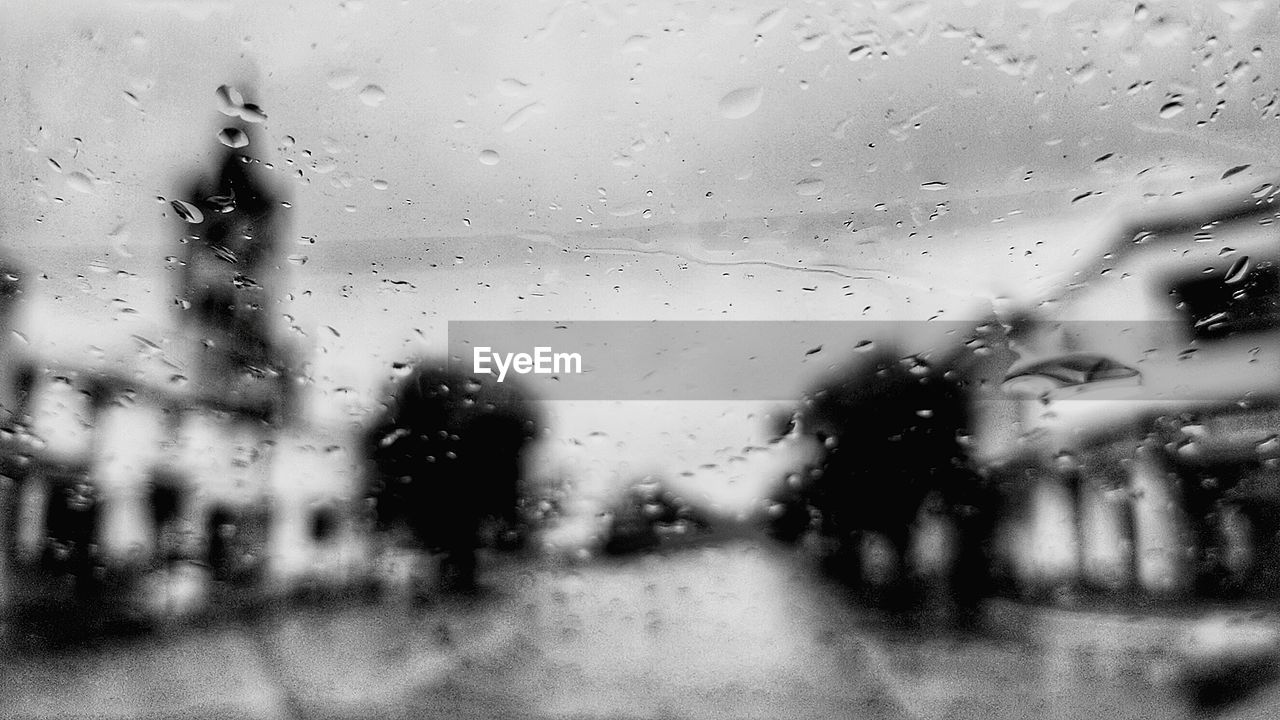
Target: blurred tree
x=891 y=427
x=447 y=454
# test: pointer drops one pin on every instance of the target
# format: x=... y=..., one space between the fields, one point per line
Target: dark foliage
x=891 y=429
x=447 y=454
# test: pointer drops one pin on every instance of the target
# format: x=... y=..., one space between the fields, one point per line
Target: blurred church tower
x=230 y=281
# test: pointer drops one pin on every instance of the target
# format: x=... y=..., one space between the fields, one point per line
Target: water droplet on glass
x=769 y=20
x=229 y=100
x=372 y=95
x=1239 y=269
x=187 y=211
x=935 y=185
x=380 y=185
x=512 y=87
x=1235 y=170
x=636 y=43
x=342 y=78
x=80 y=182
x=522 y=116
x=810 y=187
x=859 y=53
x=252 y=113
x=233 y=137
x=1172 y=109
x=221 y=203
x=741 y=102
x=489 y=157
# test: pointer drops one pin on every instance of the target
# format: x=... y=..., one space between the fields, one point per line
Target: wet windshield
x=639 y=359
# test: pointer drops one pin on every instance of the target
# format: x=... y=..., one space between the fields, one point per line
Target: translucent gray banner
x=778 y=361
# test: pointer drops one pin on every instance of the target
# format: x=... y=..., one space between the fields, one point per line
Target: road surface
x=745 y=629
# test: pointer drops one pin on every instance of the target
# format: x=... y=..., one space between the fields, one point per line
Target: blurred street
x=741 y=630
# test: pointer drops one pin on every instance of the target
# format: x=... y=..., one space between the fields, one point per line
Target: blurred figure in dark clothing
x=447 y=453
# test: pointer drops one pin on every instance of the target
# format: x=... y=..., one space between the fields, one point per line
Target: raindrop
x=1235 y=170
x=769 y=20
x=512 y=87
x=80 y=182
x=522 y=116
x=636 y=43
x=252 y=113
x=221 y=203
x=489 y=157
x=229 y=100
x=233 y=137
x=380 y=185
x=813 y=42
x=339 y=79
x=859 y=53
x=740 y=103
x=1239 y=269
x=187 y=211
x=372 y=95
x=810 y=187
x=1172 y=109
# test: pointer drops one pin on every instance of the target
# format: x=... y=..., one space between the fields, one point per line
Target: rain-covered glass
x=725 y=359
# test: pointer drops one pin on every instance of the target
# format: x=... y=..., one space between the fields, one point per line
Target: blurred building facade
x=141 y=497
